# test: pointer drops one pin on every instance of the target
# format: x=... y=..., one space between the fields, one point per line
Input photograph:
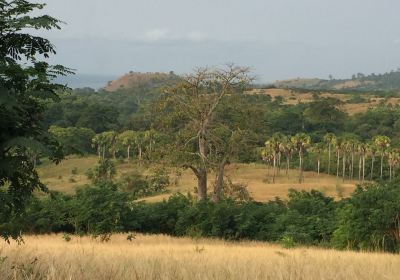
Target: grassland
x=290 y=97
x=61 y=178
x=162 y=257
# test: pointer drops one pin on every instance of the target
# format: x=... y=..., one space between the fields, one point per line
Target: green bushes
x=140 y=185
x=369 y=220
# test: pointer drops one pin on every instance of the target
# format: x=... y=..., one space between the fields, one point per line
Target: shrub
x=370 y=219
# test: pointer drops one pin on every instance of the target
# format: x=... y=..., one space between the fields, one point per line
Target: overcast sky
x=278 y=39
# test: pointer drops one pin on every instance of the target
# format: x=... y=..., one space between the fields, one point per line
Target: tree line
x=344 y=156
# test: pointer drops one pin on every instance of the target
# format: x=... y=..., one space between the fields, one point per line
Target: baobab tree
x=195 y=100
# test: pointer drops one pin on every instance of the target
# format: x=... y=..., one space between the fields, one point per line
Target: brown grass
x=293 y=98
x=255 y=176
x=162 y=257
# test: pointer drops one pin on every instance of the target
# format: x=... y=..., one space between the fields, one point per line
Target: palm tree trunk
x=274 y=172
x=344 y=167
x=381 y=165
x=359 y=168
x=329 y=159
x=128 y=152
x=363 y=168
x=300 y=166
x=319 y=163
x=337 y=164
x=372 y=167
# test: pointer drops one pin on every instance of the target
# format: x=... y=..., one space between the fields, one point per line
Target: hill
x=134 y=80
x=389 y=81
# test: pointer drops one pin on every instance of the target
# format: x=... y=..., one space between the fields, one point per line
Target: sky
x=278 y=39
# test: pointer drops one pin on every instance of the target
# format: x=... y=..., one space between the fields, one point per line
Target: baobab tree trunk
x=219 y=181
x=202 y=185
x=201 y=175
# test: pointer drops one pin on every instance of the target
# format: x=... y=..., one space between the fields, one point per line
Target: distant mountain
x=84 y=80
x=141 y=80
x=359 y=82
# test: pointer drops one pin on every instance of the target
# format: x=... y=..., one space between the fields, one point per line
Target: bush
x=310 y=217
x=370 y=219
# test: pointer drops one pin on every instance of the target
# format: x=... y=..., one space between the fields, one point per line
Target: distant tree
x=383 y=143
x=74 y=140
x=127 y=139
x=194 y=101
x=302 y=141
x=330 y=141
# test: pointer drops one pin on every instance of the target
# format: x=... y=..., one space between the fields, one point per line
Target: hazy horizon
x=278 y=40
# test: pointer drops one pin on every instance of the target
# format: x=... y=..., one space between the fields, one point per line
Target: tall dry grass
x=162 y=257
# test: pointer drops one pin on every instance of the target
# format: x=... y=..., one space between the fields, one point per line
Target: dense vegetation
x=368 y=220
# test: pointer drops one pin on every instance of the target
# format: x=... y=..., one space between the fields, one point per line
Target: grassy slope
x=162 y=257
x=254 y=175
x=292 y=98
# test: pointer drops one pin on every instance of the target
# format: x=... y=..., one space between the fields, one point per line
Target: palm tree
x=371 y=149
x=362 y=152
x=267 y=156
x=274 y=144
x=393 y=160
x=383 y=143
x=318 y=148
x=339 y=147
x=330 y=140
x=302 y=141
x=288 y=149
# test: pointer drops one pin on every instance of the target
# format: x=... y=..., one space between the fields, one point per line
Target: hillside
x=389 y=81
x=134 y=80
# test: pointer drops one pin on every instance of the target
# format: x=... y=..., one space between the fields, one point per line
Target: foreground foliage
x=368 y=220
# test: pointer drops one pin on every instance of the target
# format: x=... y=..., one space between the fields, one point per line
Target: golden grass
x=162 y=257
x=255 y=176
x=293 y=98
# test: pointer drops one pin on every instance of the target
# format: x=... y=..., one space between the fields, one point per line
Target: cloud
x=164 y=34
x=157 y=34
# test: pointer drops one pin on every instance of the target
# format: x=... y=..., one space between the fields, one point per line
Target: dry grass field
x=162 y=257
x=255 y=176
x=293 y=98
